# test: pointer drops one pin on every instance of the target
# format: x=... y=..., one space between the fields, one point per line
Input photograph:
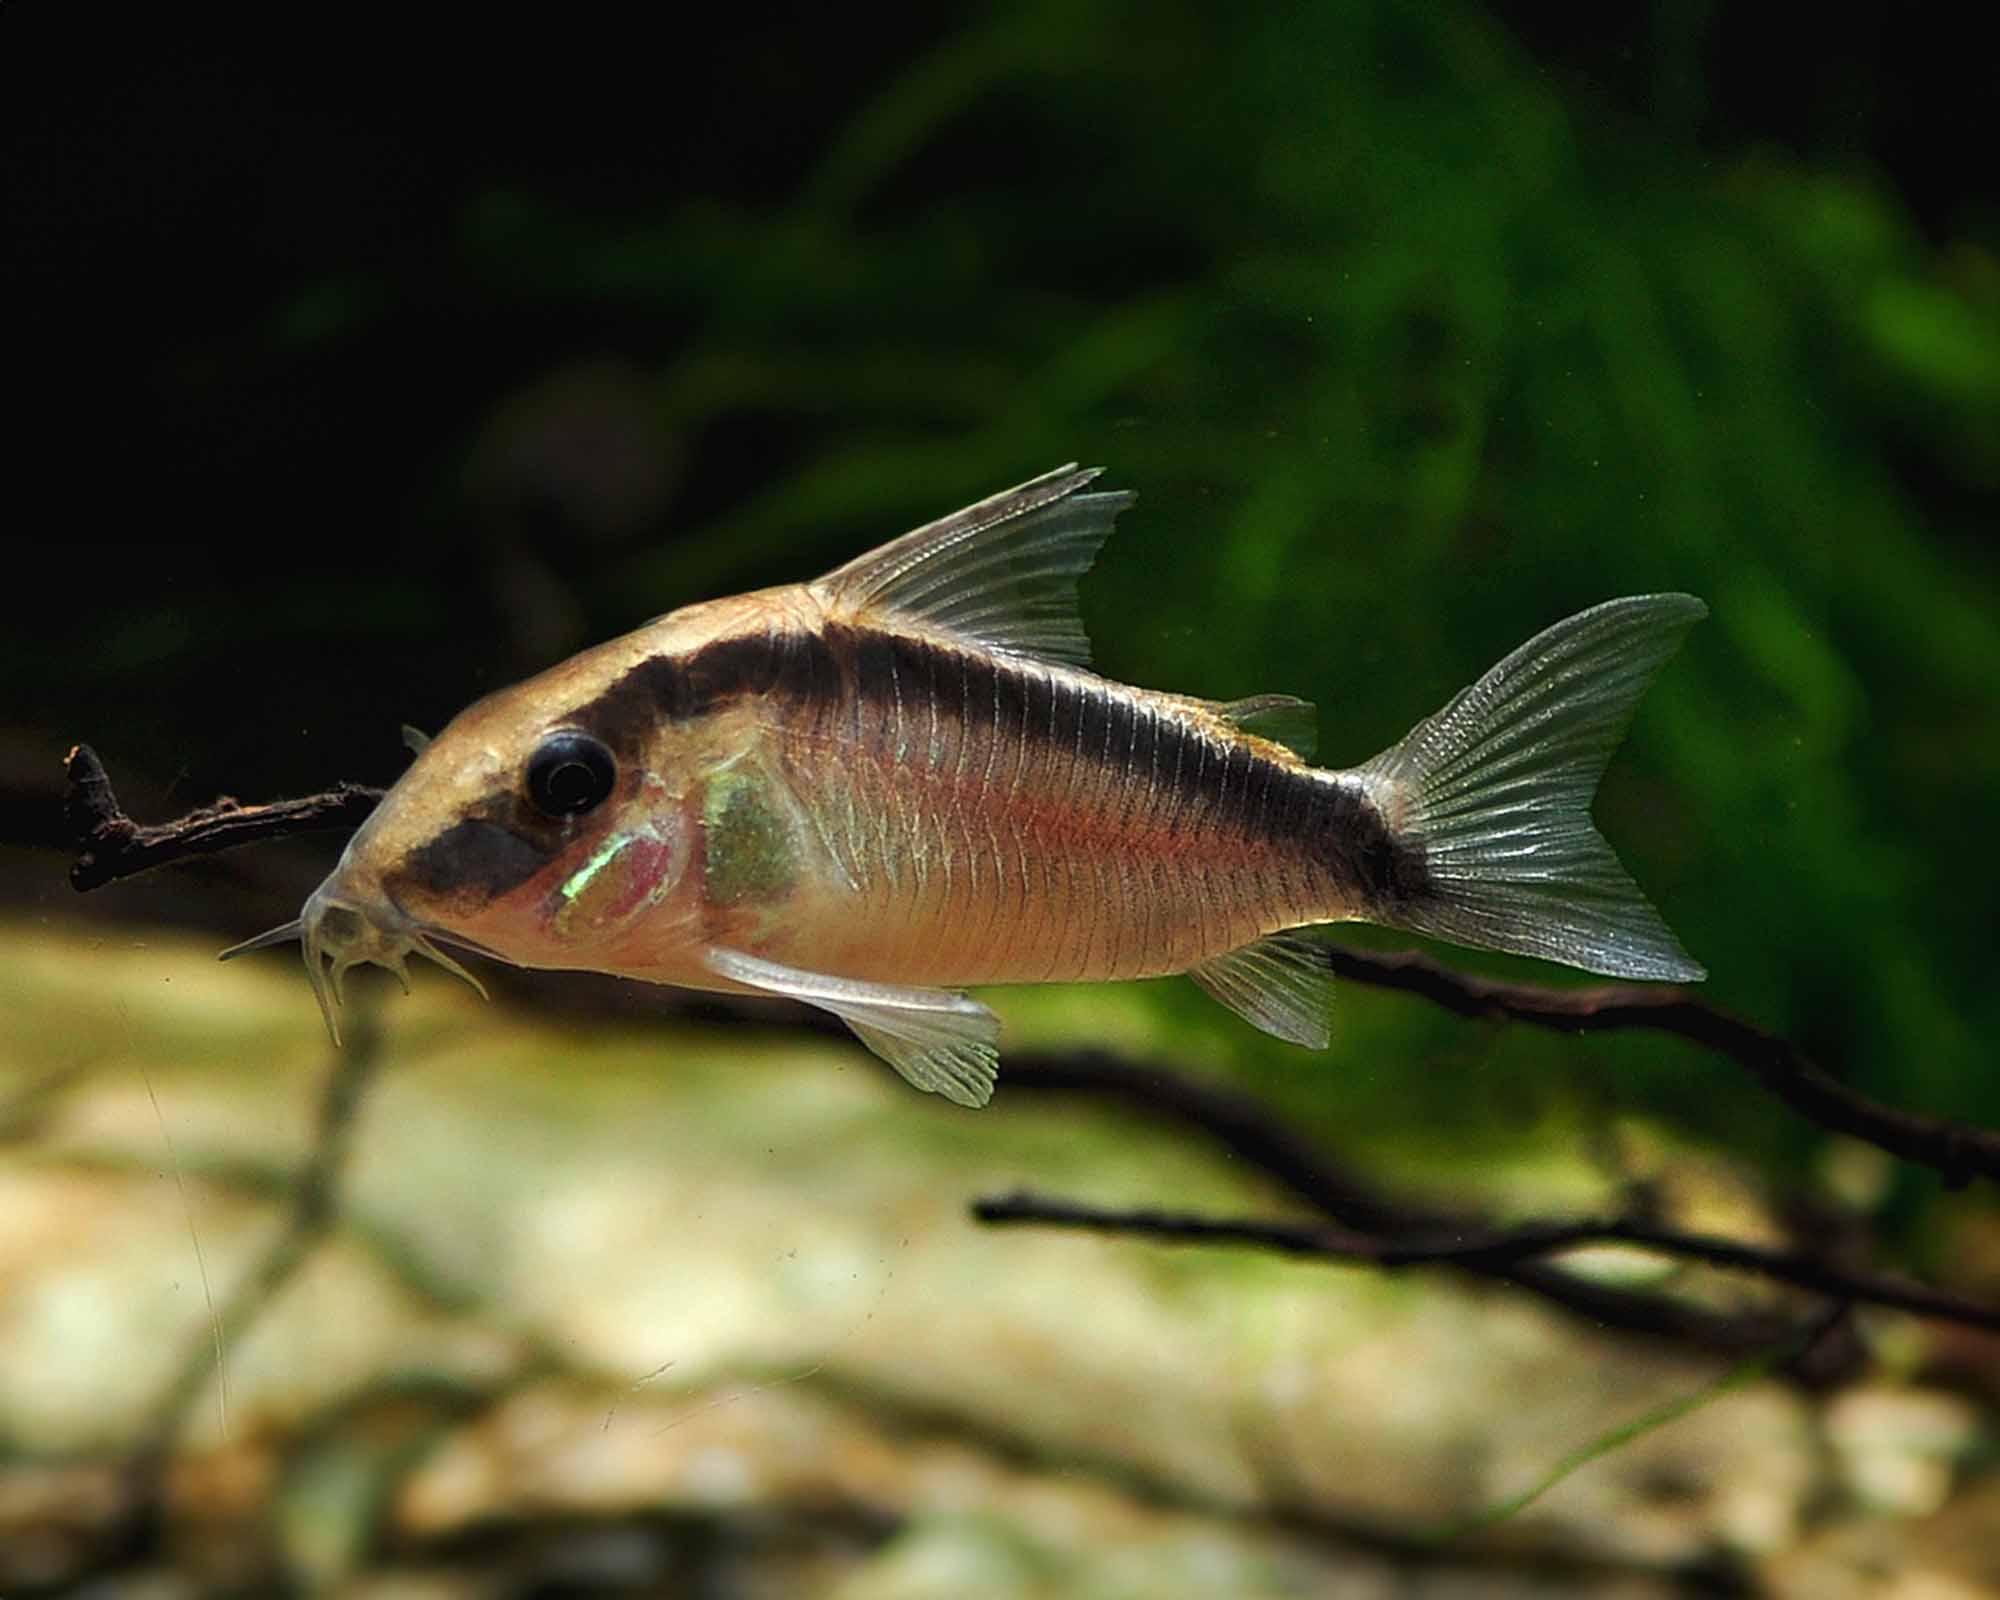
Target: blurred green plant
x=1410 y=348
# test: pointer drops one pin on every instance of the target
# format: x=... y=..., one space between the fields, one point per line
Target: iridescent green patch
x=751 y=851
x=627 y=875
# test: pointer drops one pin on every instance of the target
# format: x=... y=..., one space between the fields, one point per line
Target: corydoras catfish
x=868 y=791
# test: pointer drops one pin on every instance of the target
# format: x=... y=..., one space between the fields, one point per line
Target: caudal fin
x=1495 y=791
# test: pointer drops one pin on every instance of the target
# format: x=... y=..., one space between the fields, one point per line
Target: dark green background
x=358 y=381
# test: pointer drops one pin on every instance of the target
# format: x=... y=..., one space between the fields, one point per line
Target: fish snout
x=341 y=928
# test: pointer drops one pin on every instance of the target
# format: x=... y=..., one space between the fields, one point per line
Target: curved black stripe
x=1013 y=693
x=793 y=665
x=977 y=695
x=873 y=658
x=1354 y=843
x=1038 y=706
x=981 y=697
x=1065 y=713
x=1092 y=710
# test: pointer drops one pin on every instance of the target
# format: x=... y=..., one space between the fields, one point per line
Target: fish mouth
x=337 y=931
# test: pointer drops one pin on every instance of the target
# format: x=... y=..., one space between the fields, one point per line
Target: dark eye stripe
x=474 y=856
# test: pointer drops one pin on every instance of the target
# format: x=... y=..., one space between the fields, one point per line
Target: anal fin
x=1280 y=983
x=942 y=1042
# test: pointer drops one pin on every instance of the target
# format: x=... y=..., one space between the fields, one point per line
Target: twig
x=314 y=1205
x=134 y=1532
x=1481 y=1252
x=110 y=845
x=1260 y=1140
x=1959 y=1152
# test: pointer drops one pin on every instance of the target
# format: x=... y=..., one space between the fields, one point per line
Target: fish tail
x=1489 y=800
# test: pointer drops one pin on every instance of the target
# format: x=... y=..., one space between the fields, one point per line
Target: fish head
x=549 y=825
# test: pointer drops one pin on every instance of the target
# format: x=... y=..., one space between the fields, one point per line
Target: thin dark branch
x=110 y=845
x=1959 y=1152
x=314 y=1206
x=310 y=1217
x=1482 y=1252
x=1262 y=1141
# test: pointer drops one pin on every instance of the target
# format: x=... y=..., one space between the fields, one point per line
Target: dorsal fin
x=1281 y=718
x=1002 y=572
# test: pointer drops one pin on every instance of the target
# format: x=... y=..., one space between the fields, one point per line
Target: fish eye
x=570 y=773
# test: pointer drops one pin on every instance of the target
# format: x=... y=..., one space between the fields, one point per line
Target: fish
x=872 y=791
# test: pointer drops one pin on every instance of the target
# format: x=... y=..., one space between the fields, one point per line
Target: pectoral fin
x=942 y=1042
x=1280 y=984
